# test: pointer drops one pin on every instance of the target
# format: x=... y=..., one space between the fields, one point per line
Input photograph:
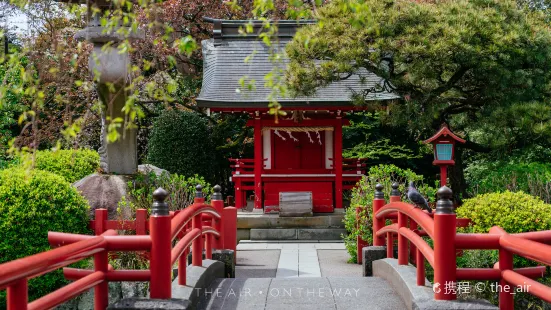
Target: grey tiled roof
x=224 y=66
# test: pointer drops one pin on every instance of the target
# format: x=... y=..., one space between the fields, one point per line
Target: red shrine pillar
x=338 y=161
x=258 y=161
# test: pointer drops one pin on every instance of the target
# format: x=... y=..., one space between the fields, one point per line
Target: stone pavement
x=284 y=275
x=295 y=259
x=301 y=293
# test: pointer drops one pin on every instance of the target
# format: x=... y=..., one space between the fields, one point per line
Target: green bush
x=73 y=165
x=362 y=196
x=533 y=178
x=31 y=204
x=181 y=189
x=515 y=212
x=180 y=143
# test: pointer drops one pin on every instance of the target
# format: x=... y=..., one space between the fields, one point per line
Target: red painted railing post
x=420 y=263
x=389 y=245
x=17 y=295
x=217 y=202
x=378 y=203
x=360 y=243
x=395 y=196
x=101 y=262
x=208 y=246
x=197 y=223
x=141 y=220
x=161 y=246
x=229 y=228
x=412 y=248
x=444 y=247
x=402 y=241
x=182 y=263
x=182 y=268
x=507 y=292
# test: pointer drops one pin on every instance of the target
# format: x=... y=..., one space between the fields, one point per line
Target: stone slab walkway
x=297 y=275
x=295 y=259
x=300 y=293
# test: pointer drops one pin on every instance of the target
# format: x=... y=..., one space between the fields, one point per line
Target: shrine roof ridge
x=230 y=29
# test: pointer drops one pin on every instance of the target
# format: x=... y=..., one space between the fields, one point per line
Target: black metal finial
x=395 y=191
x=379 y=191
x=199 y=191
x=217 y=193
x=160 y=207
x=444 y=205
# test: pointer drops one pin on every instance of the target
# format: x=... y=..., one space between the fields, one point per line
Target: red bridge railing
x=413 y=224
x=200 y=226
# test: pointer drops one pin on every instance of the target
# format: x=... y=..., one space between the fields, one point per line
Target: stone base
x=198 y=279
x=404 y=281
x=104 y=191
x=225 y=256
x=151 y=304
x=369 y=255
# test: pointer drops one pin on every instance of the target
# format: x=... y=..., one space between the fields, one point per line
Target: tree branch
x=446 y=86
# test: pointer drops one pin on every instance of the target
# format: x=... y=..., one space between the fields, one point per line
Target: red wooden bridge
x=212 y=226
x=410 y=224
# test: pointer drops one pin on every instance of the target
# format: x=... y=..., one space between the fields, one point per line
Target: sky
x=18 y=21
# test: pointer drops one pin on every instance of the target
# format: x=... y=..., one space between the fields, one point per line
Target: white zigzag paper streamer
x=279 y=135
x=291 y=136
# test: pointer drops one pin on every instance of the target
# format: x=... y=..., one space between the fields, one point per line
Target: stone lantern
x=110 y=66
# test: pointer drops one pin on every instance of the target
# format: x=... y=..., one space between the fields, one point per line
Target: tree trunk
x=457 y=177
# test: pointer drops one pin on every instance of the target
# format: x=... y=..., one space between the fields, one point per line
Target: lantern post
x=444 y=150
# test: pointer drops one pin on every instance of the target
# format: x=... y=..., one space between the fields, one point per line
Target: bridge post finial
x=217 y=193
x=395 y=191
x=199 y=191
x=444 y=205
x=160 y=207
x=379 y=191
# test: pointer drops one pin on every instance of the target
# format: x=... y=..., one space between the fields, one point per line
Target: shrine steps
x=258 y=226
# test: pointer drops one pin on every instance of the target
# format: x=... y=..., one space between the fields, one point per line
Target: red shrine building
x=302 y=151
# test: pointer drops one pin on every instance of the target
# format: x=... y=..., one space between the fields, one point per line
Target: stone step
x=297 y=234
x=249 y=220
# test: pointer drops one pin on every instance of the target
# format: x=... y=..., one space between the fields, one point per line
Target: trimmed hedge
x=180 y=143
x=515 y=212
x=72 y=165
x=31 y=204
